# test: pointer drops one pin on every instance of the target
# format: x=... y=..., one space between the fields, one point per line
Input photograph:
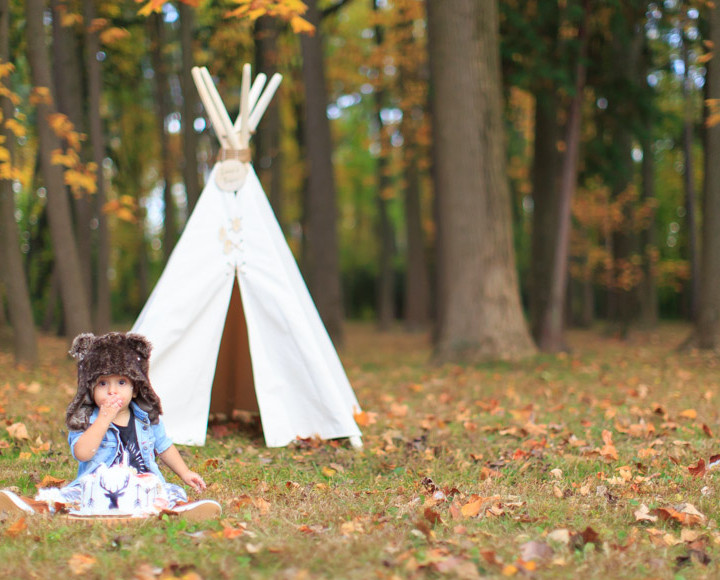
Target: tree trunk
x=648 y=287
x=97 y=140
x=707 y=326
x=69 y=93
x=268 y=160
x=18 y=295
x=551 y=332
x=385 y=291
x=322 y=249
x=417 y=282
x=479 y=310
x=157 y=36
x=75 y=302
x=690 y=195
x=545 y=218
x=189 y=107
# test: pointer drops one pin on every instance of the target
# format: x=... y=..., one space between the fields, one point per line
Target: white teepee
x=231 y=321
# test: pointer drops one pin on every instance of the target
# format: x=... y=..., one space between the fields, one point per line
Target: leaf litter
x=588 y=463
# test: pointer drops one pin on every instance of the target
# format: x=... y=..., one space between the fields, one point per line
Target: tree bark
x=648 y=241
x=97 y=140
x=385 y=290
x=689 y=183
x=70 y=92
x=268 y=160
x=546 y=187
x=707 y=325
x=417 y=281
x=479 y=310
x=322 y=249
x=157 y=34
x=550 y=337
x=75 y=302
x=18 y=295
x=189 y=107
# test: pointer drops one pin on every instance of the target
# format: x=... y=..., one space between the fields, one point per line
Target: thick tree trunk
x=546 y=188
x=13 y=274
x=69 y=94
x=322 y=249
x=707 y=326
x=97 y=140
x=189 y=107
x=268 y=160
x=75 y=302
x=162 y=107
x=479 y=310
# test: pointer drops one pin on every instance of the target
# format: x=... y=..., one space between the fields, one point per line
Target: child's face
x=110 y=388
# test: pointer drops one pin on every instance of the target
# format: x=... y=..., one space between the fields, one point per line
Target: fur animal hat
x=115 y=353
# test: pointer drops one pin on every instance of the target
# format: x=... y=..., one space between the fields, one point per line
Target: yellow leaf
x=301 y=26
x=689 y=414
x=509 y=570
x=328 y=471
x=112 y=35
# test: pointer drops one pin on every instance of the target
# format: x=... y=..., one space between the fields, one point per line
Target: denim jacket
x=151 y=440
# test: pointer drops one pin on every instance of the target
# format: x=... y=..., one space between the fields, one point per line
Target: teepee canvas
x=231 y=321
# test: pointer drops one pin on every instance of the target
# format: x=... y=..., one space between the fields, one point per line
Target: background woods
x=438 y=163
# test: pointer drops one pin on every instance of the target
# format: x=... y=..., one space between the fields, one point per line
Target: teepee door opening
x=233 y=386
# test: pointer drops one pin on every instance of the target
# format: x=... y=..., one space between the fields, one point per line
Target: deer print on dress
x=114 y=489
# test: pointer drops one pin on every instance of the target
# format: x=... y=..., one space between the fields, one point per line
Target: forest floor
x=593 y=464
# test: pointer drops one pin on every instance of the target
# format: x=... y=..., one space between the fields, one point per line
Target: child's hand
x=111 y=407
x=195 y=481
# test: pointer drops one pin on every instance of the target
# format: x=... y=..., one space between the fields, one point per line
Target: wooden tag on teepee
x=230 y=174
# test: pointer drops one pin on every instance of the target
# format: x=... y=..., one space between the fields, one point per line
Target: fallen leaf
x=229 y=532
x=642 y=514
x=535 y=550
x=50 y=481
x=81 y=563
x=561 y=536
x=688 y=414
x=697 y=470
x=18 y=431
x=17 y=528
x=432 y=516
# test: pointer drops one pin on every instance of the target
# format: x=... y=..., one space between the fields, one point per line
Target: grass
x=530 y=469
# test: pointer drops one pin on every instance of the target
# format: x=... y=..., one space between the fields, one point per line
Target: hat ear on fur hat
x=138 y=343
x=81 y=346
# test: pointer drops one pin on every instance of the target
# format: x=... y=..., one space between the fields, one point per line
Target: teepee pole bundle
x=264 y=101
x=210 y=107
x=225 y=122
x=245 y=108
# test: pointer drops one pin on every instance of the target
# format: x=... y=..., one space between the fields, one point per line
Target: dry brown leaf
x=697 y=470
x=81 y=563
x=50 y=481
x=642 y=514
x=17 y=528
x=18 y=431
x=688 y=414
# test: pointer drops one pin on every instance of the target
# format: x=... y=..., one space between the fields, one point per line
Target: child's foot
x=12 y=503
x=199 y=510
